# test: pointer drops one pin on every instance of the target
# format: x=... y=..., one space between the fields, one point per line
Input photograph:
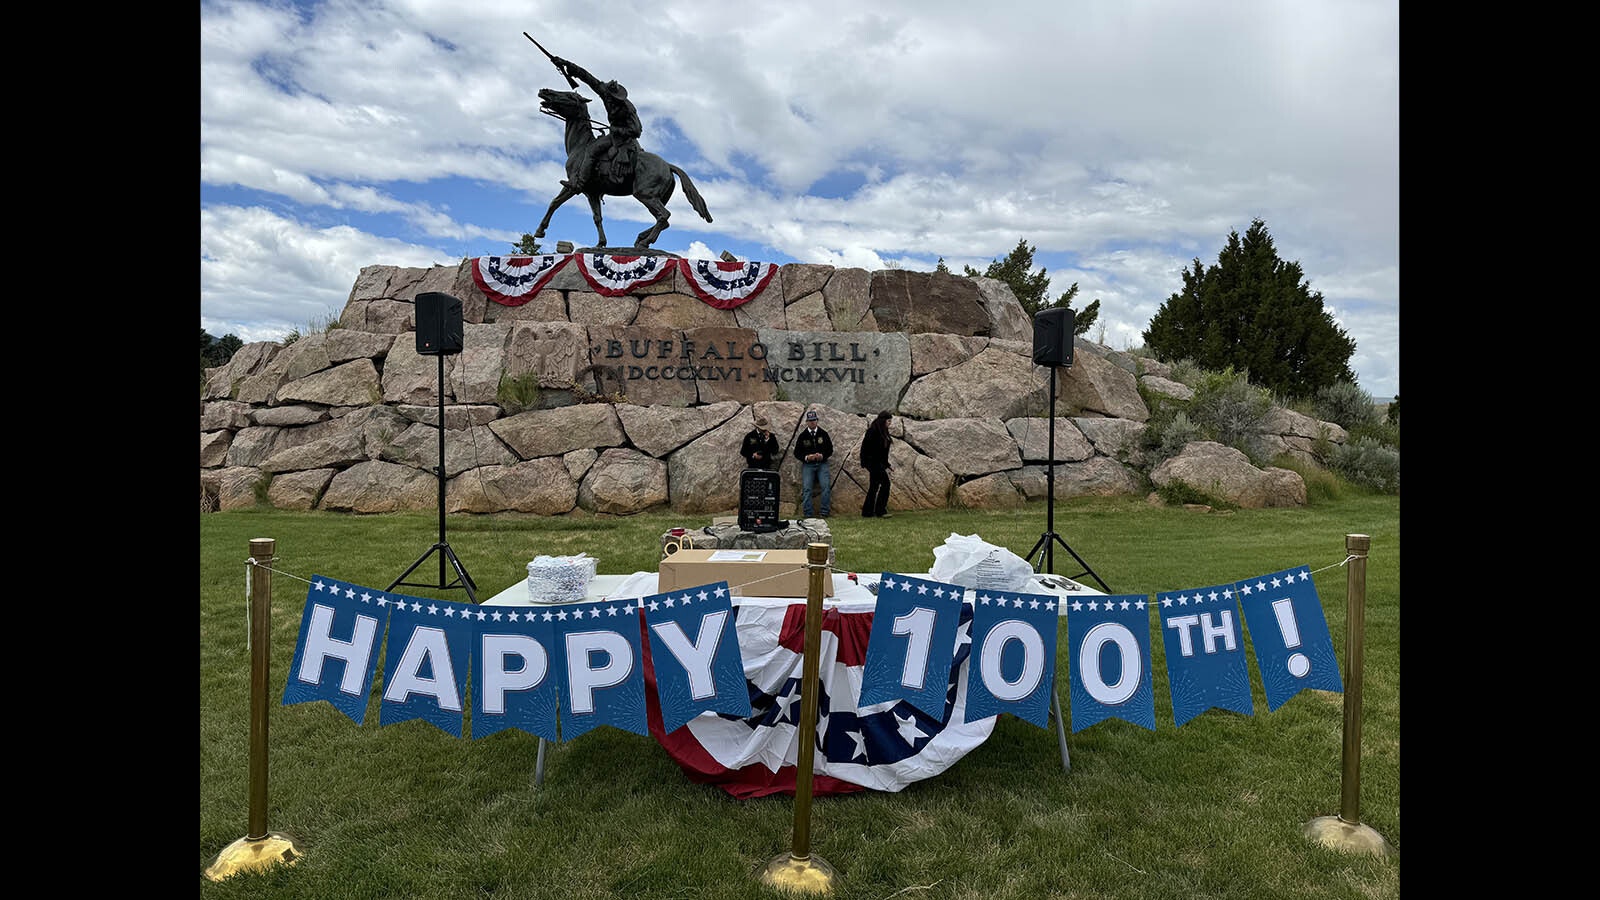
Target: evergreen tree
x=217 y=351
x=941 y=267
x=1030 y=287
x=1253 y=311
x=527 y=245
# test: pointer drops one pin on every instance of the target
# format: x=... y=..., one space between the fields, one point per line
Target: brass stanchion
x=799 y=871
x=1345 y=831
x=259 y=848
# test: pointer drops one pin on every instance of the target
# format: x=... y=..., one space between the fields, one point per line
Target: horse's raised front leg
x=657 y=209
x=594 y=204
x=565 y=195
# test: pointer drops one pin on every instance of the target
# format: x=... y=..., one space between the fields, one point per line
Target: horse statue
x=650 y=181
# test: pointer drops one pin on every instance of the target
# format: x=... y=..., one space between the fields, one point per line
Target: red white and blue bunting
x=725 y=285
x=514 y=280
x=614 y=276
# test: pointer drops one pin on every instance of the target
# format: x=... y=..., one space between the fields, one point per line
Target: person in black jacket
x=812 y=448
x=875 y=459
x=760 y=449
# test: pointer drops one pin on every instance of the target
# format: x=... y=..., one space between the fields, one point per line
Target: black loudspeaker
x=1052 y=337
x=439 y=327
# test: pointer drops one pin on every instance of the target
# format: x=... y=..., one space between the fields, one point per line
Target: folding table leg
x=1061 y=730
x=538 y=765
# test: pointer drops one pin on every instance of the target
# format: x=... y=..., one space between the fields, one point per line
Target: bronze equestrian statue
x=611 y=164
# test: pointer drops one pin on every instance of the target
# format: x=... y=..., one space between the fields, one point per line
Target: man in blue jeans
x=812 y=448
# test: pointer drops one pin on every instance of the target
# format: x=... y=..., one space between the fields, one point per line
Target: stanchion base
x=1337 y=834
x=811 y=875
x=247 y=855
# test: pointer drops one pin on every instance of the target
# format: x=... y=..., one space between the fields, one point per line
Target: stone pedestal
x=724 y=534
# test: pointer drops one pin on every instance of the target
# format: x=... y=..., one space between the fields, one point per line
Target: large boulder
x=1226 y=473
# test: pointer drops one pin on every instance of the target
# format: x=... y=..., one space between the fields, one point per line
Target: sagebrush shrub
x=1345 y=404
x=1228 y=408
x=1365 y=462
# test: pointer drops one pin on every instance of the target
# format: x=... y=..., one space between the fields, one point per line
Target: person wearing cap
x=760 y=449
x=813 y=447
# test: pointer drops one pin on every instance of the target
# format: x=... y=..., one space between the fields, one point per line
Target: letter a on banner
x=1205 y=652
x=1013 y=655
x=514 y=683
x=338 y=649
x=695 y=651
x=1293 y=648
x=1109 y=639
x=425 y=663
x=912 y=644
x=597 y=647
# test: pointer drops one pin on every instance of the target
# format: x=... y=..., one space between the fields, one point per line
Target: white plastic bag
x=970 y=561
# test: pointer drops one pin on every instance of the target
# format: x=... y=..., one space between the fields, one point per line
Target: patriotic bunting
x=1205 y=652
x=907 y=685
x=695 y=651
x=1290 y=634
x=426 y=663
x=724 y=284
x=1109 y=638
x=913 y=643
x=614 y=276
x=598 y=648
x=514 y=280
x=1014 y=652
x=337 y=653
x=514 y=678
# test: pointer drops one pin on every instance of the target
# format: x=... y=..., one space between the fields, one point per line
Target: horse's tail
x=695 y=200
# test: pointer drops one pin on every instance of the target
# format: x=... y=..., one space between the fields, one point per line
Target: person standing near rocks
x=760 y=449
x=812 y=448
x=875 y=459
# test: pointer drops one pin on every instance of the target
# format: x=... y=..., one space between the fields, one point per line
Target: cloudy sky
x=1122 y=138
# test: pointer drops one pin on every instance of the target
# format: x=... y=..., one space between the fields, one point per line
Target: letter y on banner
x=1293 y=648
x=1109 y=639
x=338 y=649
x=1013 y=656
x=695 y=651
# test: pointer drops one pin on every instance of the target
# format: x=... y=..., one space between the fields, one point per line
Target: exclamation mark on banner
x=1299 y=663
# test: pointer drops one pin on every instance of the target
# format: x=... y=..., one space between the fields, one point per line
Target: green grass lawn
x=1213 y=809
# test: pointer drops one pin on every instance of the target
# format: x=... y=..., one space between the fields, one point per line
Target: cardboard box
x=749 y=573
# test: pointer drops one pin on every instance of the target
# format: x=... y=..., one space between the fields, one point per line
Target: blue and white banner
x=1204 y=641
x=602 y=667
x=1108 y=637
x=514 y=679
x=337 y=653
x=1293 y=647
x=694 y=648
x=1014 y=655
x=913 y=643
x=425 y=663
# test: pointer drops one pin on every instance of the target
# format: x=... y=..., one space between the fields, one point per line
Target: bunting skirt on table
x=883 y=747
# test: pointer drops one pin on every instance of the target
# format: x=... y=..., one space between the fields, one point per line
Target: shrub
x=1228 y=408
x=1178 y=493
x=1188 y=372
x=1166 y=438
x=1345 y=404
x=516 y=393
x=1321 y=484
x=1365 y=462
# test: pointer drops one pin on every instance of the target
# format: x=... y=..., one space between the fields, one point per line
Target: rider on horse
x=624 y=122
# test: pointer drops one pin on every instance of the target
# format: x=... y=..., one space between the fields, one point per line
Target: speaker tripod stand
x=463 y=580
x=1044 y=552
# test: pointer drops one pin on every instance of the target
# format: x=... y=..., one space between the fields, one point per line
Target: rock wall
x=617 y=405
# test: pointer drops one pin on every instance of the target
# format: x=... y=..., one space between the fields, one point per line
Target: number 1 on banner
x=912 y=644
